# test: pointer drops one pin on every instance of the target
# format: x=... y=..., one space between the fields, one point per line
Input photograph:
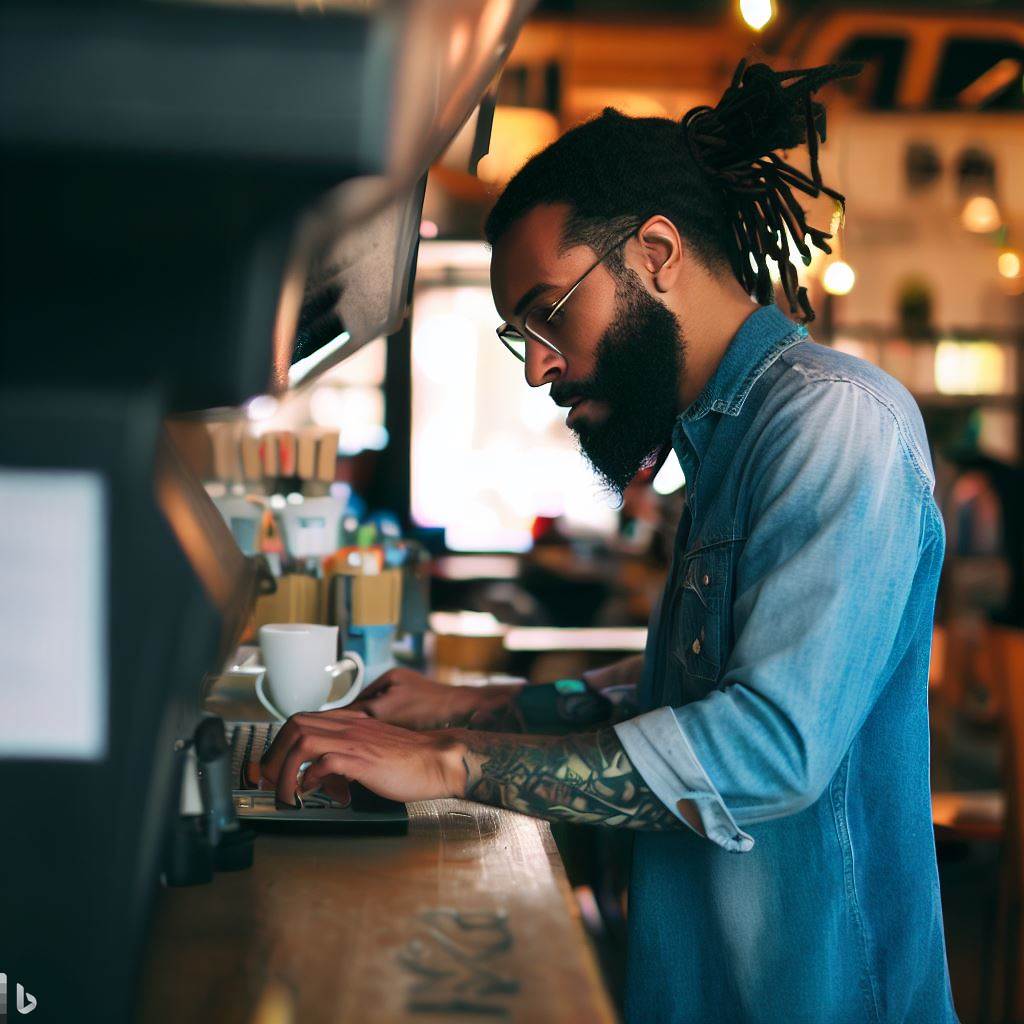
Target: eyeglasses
x=541 y=323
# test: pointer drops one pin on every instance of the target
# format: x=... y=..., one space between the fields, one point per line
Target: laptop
x=257 y=807
x=230 y=695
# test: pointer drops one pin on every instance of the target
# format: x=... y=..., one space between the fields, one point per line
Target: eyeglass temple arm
x=565 y=298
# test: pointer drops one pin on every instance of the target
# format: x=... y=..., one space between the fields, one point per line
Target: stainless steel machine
x=179 y=179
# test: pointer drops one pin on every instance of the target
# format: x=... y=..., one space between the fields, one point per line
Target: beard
x=640 y=362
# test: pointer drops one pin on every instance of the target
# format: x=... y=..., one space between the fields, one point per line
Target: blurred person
x=982 y=504
x=640 y=516
x=985 y=522
x=770 y=748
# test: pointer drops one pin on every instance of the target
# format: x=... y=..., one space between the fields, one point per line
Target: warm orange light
x=1009 y=264
x=838 y=278
x=969 y=368
x=756 y=13
x=516 y=134
x=981 y=215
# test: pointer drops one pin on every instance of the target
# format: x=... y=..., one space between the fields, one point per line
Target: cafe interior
x=250 y=387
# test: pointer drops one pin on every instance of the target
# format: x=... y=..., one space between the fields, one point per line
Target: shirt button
x=696 y=647
x=707 y=579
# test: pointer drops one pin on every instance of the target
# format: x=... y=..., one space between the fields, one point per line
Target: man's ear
x=661 y=250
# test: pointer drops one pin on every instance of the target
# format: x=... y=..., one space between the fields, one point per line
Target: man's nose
x=543 y=365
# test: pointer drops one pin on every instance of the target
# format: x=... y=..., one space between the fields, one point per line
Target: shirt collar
x=755 y=346
x=761 y=339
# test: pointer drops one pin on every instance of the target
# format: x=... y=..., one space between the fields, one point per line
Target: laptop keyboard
x=249 y=742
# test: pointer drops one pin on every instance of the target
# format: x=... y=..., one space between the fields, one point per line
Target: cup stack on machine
x=277 y=493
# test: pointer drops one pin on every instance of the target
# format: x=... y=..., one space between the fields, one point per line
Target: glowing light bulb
x=839 y=278
x=1009 y=264
x=981 y=215
x=756 y=13
x=262 y=407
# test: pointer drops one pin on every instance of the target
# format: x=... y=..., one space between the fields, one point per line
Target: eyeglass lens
x=515 y=343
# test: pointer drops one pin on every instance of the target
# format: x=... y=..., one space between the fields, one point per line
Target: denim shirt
x=785 y=696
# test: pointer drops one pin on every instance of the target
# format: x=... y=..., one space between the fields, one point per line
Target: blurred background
x=536 y=573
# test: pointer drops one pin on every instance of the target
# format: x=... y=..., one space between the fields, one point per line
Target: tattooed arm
x=584 y=778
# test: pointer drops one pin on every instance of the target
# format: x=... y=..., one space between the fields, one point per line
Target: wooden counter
x=467 y=918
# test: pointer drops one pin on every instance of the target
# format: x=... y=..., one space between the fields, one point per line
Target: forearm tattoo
x=497 y=716
x=585 y=778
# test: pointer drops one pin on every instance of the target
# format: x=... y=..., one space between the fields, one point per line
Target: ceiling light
x=262 y=407
x=839 y=278
x=1009 y=264
x=981 y=215
x=756 y=13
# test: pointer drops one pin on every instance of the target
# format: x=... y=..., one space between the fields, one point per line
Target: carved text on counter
x=456 y=959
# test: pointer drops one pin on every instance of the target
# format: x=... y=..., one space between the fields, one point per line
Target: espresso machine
x=180 y=180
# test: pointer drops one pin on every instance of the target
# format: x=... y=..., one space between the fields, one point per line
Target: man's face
x=622 y=349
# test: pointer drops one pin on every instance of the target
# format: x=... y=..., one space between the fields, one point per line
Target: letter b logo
x=26 y=1001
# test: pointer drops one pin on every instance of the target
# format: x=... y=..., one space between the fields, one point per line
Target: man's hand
x=624 y=672
x=584 y=778
x=347 y=745
x=409 y=699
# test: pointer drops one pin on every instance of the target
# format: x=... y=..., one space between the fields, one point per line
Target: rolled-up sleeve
x=838 y=513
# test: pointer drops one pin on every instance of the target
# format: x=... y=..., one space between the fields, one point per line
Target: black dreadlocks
x=715 y=174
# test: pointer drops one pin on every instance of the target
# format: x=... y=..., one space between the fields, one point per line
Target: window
x=489 y=454
x=981 y=74
x=883 y=57
x=349 y=398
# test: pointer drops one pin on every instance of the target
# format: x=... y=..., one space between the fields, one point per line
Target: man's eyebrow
x=525 y=301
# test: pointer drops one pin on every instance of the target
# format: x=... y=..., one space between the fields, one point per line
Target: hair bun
x=735 y=143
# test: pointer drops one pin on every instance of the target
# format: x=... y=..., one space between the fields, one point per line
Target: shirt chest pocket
x=700 y=630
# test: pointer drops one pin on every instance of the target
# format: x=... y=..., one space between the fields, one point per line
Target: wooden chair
x=964 y=656
x=1007 y=646
x=961 y=655
x=970 y=816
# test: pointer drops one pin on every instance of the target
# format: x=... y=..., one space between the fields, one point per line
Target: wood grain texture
x=467 y=918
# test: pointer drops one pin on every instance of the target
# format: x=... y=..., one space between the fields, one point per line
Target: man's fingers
x=383 y=682
x=306 y=737
x=338 y=719
x=343 y=715
x=336 y=787
x=292 y=733
x=368 y=705
x=308 y=747
x=270 y=762
x=326 y=772
x=375 y=689
x=311 y=745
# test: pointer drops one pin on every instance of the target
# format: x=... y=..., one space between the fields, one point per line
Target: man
x=775 y=766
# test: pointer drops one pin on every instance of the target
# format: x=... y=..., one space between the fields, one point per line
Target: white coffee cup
x=302 y=668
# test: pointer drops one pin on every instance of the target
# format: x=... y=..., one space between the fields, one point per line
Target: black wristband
x=564 y=705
